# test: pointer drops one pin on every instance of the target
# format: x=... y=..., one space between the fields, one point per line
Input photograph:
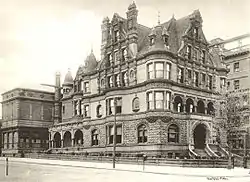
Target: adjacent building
x=27 y=114
x=158 y=85
x=236 y=57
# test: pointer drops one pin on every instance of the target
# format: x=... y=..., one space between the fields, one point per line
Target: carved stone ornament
x=86 y=127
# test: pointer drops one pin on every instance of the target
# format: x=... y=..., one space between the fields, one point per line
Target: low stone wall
x=218 y=163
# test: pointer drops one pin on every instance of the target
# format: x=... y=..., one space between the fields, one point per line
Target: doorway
x=200 y=136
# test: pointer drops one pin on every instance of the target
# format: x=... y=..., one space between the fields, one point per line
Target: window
x=142 y=134
x=196 y=33
x=150 y=100
x=210 y=84
x=116 y=57
x=102 y=83
x=111 y=134
x=196 y=79
x=168 y=66
x=159 y=70
x=117 y=80
x=136 y=104
x=196 y=55
x=94 y=137
x=63 y=109
x=81 y=108
x=168 y=100
x=222 y=82
x=125 y=78
x=236 y=84
x=150 y=71
x=152 y=41
x=99 y=111
x=159 y=100
x=110 y=81
x=189 y=54
x=109 y=57
x=132 y=75
x=173 y=133
x=86 y=111
x=180 y=75
x=118 y=105
x=116 y=32
x=203 y=78
x=203 y=57
x=165 y=39
x=236 y=67
x=86 y=87
x=111 y=106
x=124 y=54
x=76 y=107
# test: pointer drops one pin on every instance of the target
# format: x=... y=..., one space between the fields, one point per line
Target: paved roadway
x=21 y=171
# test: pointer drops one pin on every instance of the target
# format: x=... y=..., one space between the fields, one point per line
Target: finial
x=159 y=21
x=173 y=16
x=91 y=48
x=68 y=69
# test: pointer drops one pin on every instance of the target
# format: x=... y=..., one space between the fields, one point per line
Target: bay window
x=159 y=100
x=159 y=70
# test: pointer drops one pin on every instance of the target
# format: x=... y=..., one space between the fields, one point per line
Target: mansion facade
x=160 y=85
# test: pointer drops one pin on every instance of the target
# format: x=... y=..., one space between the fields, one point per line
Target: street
x=21 y=171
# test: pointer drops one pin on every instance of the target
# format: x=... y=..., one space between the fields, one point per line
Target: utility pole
x=114 y=138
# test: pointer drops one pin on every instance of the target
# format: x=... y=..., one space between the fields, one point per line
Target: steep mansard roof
x=174 y=29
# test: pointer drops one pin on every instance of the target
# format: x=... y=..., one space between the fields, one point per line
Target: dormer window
x=116 y=35
x=196 y=32
x=165 y=39
x=152 y=41
x=189 y=53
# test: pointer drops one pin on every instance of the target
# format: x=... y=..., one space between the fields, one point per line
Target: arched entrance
x=57 y=140
x=78 y=138
x=67 y=139
x=200 y=136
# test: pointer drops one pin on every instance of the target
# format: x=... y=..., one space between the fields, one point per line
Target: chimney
x=57 y=105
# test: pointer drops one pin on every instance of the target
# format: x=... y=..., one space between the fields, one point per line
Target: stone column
x=61 y=143
x=72 y=142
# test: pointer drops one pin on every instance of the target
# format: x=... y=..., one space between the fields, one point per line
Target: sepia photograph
x=123 y=90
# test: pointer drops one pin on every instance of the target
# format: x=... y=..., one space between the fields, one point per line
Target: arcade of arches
x=67 y=140
x=193 y=107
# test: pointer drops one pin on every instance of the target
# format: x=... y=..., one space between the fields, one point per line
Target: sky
x=41 y=37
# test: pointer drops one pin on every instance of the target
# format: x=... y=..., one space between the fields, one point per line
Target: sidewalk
x=164 y=170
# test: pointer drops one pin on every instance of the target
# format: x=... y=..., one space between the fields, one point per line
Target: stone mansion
x=160 y=85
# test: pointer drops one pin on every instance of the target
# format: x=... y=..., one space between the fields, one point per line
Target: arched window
x=78 y=139
x=57 y=140
x=210 y=108
x=173 y=133
x=178 y=105
x=189 y=106
x=132 y=75
x=94 y=137
x=142 y=134
x=200 y=107
x=136 y=104
x=67 y=139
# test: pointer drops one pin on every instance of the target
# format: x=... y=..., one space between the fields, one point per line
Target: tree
x=231 y=110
